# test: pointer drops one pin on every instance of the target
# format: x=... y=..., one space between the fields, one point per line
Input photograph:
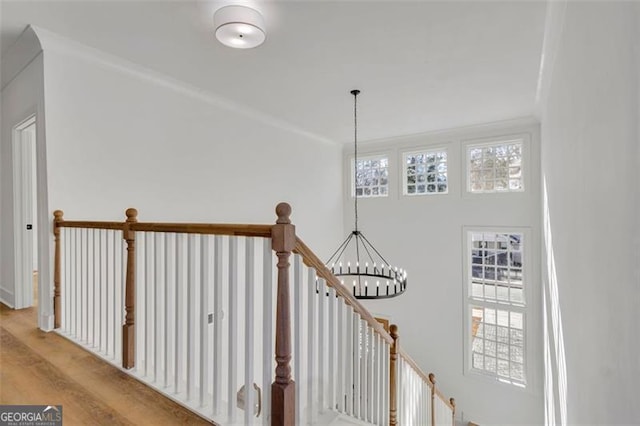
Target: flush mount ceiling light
x=240 y=27
x=356 y=262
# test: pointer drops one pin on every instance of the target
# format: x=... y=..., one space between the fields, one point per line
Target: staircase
x=197 y=311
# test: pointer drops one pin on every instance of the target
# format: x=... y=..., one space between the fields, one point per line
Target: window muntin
x=496 y=267
x=495 y=167
x=425 y=172
x=497 y=305
x=498 y=347
x=372 y=177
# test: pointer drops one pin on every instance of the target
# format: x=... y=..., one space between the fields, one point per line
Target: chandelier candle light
x=374 y=278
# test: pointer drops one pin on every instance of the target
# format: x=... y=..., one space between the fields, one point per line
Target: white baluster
x=169 y=295
x=217 y=326
x=205 y=282
x=341 y=359
x=332 y=337
x=297 y=335
x=249 y=330
x=267 y=324
x=191 y=315
x=158 y=291
x=179 y=320
x=233 y=328
x=322 y=342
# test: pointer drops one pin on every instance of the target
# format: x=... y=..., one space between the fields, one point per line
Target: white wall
x=590 y=161
x=424 y=235
x=120 y=136
x=22 y=96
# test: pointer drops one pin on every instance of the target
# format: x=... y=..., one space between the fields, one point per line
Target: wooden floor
x=44 y=368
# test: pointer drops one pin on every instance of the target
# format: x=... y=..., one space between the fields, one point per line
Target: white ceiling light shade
x=240 y=27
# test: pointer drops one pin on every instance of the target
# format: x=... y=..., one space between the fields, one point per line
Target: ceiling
x=421 y=65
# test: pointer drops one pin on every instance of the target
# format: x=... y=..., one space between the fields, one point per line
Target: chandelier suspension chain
x=355 y=94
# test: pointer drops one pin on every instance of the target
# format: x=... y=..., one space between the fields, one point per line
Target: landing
x=44 y=368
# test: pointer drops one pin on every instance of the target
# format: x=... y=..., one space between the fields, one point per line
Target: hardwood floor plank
x=45 y=368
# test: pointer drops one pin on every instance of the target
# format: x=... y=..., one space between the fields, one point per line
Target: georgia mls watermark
x=30 y=415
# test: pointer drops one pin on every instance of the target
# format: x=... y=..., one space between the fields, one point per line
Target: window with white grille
x=495 y=167
x=371 y=177
x=425 y=172
x=497 y=305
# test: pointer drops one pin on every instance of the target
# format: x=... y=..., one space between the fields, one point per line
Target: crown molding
x=25 y=49
x=52 y=42
x=474 y=130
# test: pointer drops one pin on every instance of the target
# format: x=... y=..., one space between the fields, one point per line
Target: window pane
x=371 y=177
x=496 y=263
x=495 y=168
x=427 y=171
x=497 y=347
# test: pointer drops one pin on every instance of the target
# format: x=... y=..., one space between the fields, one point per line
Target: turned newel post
x=452 y=401
x=432 y=379
x=283 y=240
x=128 y=328
x=393 y=377
x=57 y=308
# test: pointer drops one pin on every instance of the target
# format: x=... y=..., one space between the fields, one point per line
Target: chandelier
x=356 y=262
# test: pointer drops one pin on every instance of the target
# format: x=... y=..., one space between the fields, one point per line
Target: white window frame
x=352 y=168
x=424 y=151
x=530 y=280
x=523 y=138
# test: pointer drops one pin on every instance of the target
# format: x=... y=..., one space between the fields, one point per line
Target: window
x=496 y=305
x=495 y=167
x=372 y=177
x=425 y=172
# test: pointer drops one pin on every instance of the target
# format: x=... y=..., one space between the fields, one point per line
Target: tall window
x=495 y=167
x=497 y=305
x=371 y=177
x=425 y=172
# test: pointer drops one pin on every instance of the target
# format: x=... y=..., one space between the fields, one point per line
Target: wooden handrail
x=311 y=260
x=238 y=230
x=118 y=226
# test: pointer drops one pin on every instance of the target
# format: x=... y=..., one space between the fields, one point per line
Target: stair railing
x=152 y=297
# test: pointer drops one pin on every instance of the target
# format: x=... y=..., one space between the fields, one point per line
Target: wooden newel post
x=57 y=307
x=452 y=401
x=128 y=328
x=432 y=379
x=393 y=377
x=283 y=240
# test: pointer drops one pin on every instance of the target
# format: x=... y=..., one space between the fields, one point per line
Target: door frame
x=22 y=196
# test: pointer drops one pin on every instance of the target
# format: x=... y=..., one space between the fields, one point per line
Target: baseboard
x=7 y=297
x=46 y=322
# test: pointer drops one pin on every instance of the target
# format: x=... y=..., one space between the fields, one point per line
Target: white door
x=25 y=219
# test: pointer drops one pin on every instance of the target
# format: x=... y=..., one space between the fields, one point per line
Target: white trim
x=442 y=135
x=5 y=296
x=23 y=253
